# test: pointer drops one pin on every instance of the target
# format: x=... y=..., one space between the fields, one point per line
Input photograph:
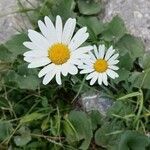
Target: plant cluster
x=35 y=116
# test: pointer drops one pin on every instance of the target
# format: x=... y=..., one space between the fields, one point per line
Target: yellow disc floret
x=100 y=65
x=59 y=53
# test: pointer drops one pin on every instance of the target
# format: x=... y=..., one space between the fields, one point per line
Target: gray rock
x=11 y=22
x=135 y=13
x=96 y=101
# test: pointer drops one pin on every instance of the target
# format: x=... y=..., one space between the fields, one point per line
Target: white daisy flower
x=100 y=65
x=56 y=48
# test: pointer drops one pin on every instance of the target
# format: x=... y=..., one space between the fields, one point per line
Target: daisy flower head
x=100 y=65
x=56 y=49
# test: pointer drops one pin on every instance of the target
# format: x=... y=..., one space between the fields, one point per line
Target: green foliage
x=95 y=29
x=133 y=140
x=35 y=117
x=131 y=45
x=89 y=7
x=114 y=30
x=24 y=137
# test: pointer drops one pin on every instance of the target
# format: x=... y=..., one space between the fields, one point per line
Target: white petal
x=72 y=69
x=78 y=34
x=88 y=70
x=69 y=28
x=35 y=53
x=51 y=29
x=109 y=53
x=59 y=28
x=113 y=67
x=91 y=75
x=46 y=69
x=38 y=39
x=79 y=41
x=113 y=62
x=45 y=31
x=101 y=49
x=112 y=74
x=32 y=59
x=100 y=79
x=88 y=61
x=82 y=50
x=104 y=77
x=92 y=56
x=64 y=69
x=39 y=63
x=83 y=66
x=31 y=46
x=58 y=77
x=75 y=61
x=114 y=57
x=96 y=51
x=93 y=80
x=48 y=77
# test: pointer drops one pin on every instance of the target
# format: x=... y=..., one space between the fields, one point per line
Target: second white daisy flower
x=100 y=65
x=56 y=48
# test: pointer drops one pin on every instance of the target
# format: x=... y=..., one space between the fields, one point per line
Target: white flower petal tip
x=101 y=65
x=56 y=48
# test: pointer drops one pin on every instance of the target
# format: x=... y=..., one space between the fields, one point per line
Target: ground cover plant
x=36 y=116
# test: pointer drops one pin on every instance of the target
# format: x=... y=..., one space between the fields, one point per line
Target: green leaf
x=96 y=119
x=65 y=7
x=95 y=26
x=134 y=141
x=127 y=65
x=6 y=55
x=89 y=7
x=15 y=44
x=108 y=134
x=82 y=126
x=24 y=138
x=123 y=75
x=31 y=117
x=30 y=82
x=121 y=108
x=131 y=45
x=5 y=130
x=145 y=61
x=141 y=79
x=114 y=30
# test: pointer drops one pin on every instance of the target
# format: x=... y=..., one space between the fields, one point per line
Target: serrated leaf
x=30 y=82
x=89 y=7
x=65 y=7
x=145 y=61
x=114 y=30
x=6 y=55
x=123 y=75
x=108 y=134
x=133 y=140
x=127 y=65
x=141 y=79
x=15 y=44
x=120 y=108
x=95 y=26
x=83 y=127
x=96 y=119
x=130 y=45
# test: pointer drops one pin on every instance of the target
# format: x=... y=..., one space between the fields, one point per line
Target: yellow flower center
x=59 y=53
x=100 y=65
